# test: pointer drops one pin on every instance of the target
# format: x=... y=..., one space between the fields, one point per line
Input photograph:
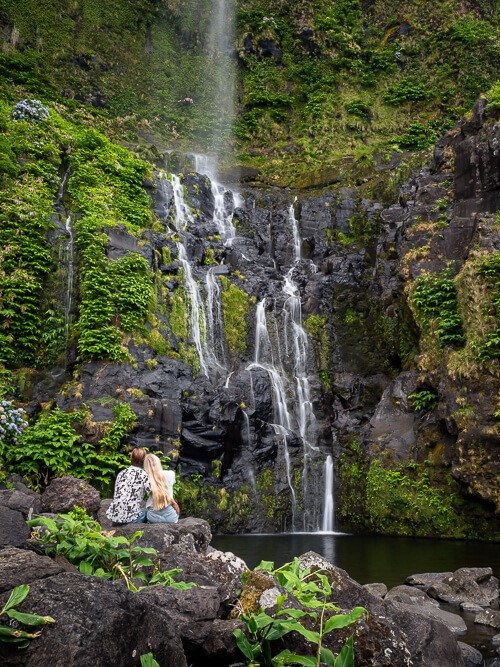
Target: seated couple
x=133 y=483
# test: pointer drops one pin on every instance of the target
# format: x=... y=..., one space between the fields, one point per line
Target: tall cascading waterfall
x=220 y=76
x=281 y=342
x=66 y=252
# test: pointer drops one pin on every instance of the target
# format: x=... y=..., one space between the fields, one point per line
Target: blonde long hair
x=159 y=489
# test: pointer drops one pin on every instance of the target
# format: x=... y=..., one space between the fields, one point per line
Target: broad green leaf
x=310 y=635
x=146 y=562
x=5 y=631
x=346 y=656
x=286 y=657
x=85 y=567
x=243 y=643
x=279 y=602
x=326 y=656
x=266 y=565
x=43 y=521
x=148 y=660
x=29 y=619
x=262 y=621
x=136 y=535
x=342 y=620
x=183 y=585
x=16 y=597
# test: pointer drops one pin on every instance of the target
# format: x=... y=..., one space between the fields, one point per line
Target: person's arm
x=175 y=506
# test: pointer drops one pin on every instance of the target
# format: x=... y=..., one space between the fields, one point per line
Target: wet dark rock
x=378 y=590
x=190 y=533
x=19 y=566
x=394 y=632
x=410 y=595
x=427 y=579
x=65 y=493
x=476 y=585
x=471 y=656
x=489 y=617
x=213 y=568
x=13 y=529
x=25 y=503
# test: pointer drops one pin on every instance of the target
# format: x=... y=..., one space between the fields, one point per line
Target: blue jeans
x=141 y=517
x=165 y=515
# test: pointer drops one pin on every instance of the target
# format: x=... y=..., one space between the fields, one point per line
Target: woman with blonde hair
x=164 y=508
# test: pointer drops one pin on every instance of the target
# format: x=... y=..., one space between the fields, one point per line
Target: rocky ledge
x=102 y=622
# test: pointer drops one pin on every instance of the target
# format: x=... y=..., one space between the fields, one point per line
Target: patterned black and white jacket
x=130 y=486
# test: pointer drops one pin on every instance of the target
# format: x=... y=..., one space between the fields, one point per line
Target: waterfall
x=197 y=317
x=262 y=340
x=223 y=214
x=68 y=251
x=281 y=433
x=328 y=505
x=220 y=74
x=71 y=273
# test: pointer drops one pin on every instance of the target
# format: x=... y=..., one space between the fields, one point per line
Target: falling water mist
x=220 y=77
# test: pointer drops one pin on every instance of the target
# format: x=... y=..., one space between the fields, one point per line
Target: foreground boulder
x=98 y=623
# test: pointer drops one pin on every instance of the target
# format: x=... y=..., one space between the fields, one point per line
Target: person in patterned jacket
x=130 y=487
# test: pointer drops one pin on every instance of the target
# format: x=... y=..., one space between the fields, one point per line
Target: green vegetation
x=14 y=634
x=318 y=329
x=53 y=447
x=435 y=300
x=78 y=538
x=235 y=305
x=403 y=499
x=424 y=400
x=213 y=502
x=104 y=191
x=312 y=590
x=489 y=270
x=381 y=76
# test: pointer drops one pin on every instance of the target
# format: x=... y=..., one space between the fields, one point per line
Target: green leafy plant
x=147 y=660
x=424 y=400
x=434 y=297
x=15 y=635
x=489 y=270
x=312 y=590
x=79 y=538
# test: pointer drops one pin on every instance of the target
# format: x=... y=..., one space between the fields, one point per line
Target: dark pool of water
x=370 y=559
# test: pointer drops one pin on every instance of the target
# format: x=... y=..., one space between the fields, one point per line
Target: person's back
x=130 y=487
x=169 y=476
x=163 y=508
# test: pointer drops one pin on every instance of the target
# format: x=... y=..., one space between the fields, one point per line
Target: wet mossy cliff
x=397 y=273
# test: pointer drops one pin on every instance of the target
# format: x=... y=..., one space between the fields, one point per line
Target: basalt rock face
x=310 y=343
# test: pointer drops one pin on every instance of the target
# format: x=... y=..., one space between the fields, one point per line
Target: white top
x=169 y=476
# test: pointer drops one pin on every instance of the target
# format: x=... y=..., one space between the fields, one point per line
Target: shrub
x=434 y=297
x=404 y=91
x=493 y=97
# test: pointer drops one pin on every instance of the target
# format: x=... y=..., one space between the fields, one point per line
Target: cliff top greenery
x=329 y=85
